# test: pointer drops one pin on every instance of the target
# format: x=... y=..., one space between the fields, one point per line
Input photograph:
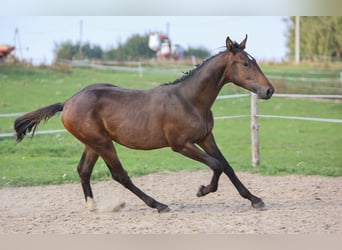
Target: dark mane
x=193 y=71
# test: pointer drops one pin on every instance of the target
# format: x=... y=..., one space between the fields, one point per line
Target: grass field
x=287 y=146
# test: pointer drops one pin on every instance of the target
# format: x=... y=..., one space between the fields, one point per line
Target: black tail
x=25 y=123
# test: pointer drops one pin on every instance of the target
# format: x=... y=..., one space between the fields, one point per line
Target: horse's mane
x=191 y=72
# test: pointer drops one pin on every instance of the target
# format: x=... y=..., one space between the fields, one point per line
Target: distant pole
x=167 y=29
x=17 y=44
x=297 y=40
x=81 y=34
x=255 y=130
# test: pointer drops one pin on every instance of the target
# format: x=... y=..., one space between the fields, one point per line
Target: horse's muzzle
x=269 y=92
x=266 y=94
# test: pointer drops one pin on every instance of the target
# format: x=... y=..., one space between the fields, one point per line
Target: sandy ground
x=295 y=204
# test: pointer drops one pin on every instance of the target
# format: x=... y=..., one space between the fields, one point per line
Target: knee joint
x=123 y=179
x=216 y=166
x=84 y=174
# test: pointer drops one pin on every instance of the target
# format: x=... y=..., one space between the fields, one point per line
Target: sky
x=38 y=35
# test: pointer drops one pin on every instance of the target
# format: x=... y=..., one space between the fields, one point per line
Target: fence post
x=140 y=69
x=255 y=130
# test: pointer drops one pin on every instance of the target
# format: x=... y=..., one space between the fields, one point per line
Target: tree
x=320 y=37
x=67 y=50
x=199 y=52
x=91 y=51
x=134 y=48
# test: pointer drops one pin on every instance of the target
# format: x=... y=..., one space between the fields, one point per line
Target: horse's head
x=245 y=72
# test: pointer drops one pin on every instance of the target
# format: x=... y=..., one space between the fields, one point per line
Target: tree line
x=135 y=48
x=320 y=38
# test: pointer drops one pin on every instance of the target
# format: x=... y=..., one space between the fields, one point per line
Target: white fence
x=137 y=66
x=110 y=65
x=255 y=124
x=283 y=117
x=253 y=115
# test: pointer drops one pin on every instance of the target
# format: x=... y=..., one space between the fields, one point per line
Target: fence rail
x=41 y=132
x=318 y=119
x=254 y=119
x=137 y=66
x=313 y=96
x=11 y=114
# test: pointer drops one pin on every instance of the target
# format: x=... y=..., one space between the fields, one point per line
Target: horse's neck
x=204 y=86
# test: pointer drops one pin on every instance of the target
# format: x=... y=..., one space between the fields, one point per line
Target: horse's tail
x=29 y=121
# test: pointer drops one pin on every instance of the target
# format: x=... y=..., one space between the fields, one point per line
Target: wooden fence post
x=255 y=130
x=140 y=69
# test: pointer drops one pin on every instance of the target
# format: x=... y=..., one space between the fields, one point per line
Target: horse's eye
x=245 y=64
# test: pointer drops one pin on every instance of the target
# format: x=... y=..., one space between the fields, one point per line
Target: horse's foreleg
x=85 y=168
x=212 y=186
x=209 y=145
x=191 y=151
x=216 y=161
x=243 y=191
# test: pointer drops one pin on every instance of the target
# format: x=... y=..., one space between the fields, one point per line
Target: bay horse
x=176 y=115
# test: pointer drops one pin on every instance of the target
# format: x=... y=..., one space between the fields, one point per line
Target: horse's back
x=130 y=117
x=97 y=94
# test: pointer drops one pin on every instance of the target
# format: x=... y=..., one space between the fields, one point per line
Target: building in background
x=164 y=48
x=5 y=51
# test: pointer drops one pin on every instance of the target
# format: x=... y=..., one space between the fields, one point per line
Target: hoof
x=260 y=205
x=91 y=204
x=163 y=209
x=201 y=191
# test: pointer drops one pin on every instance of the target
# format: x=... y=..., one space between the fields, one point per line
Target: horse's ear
x=229 y=43
x=243 y=43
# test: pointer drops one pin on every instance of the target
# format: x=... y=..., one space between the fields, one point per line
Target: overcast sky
x=38 y=35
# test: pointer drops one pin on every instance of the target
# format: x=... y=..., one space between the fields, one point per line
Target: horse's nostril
x=269 y=92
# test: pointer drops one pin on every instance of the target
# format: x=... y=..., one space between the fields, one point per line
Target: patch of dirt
x=295 y=204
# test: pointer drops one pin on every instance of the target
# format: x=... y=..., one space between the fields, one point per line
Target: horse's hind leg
x=85 y=168
x=109 y=155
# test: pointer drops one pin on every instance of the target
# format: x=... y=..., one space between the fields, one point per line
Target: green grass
x=281 y=75
x=287 y=146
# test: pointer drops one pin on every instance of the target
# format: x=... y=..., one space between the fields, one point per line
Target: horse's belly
x=139 y=139
x=141 y=142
